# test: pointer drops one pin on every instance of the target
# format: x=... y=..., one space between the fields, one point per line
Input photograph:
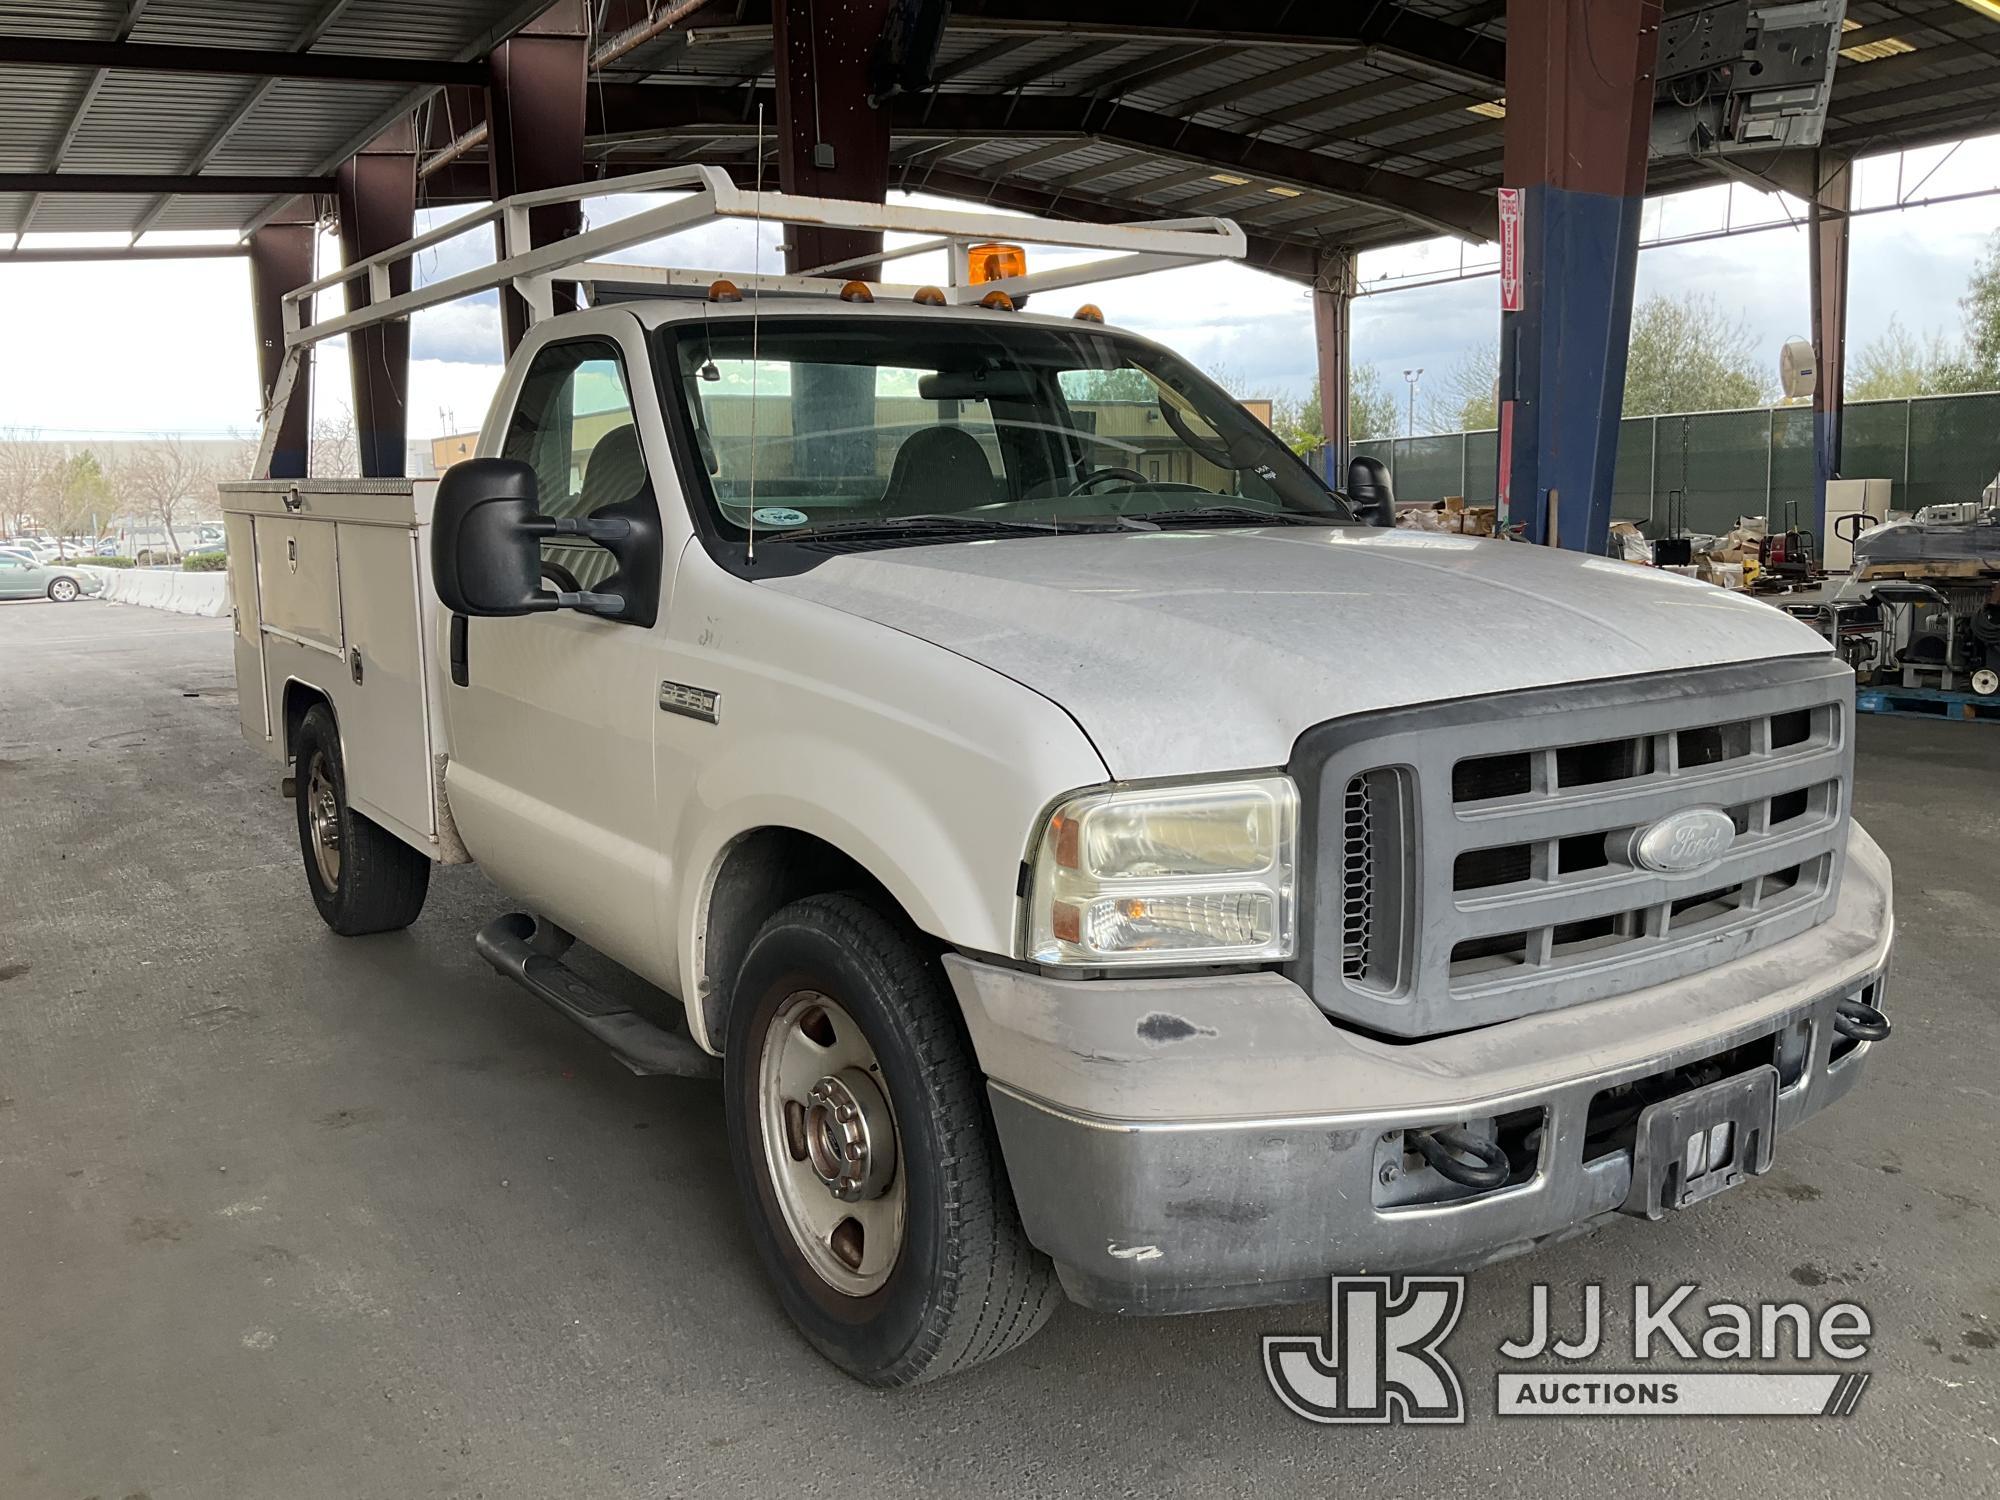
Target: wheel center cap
x=849 y=1136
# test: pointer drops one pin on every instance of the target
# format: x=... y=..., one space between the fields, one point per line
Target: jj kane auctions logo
x=1382 y=1358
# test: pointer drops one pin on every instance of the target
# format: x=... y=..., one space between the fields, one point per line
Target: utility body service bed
x=337 y=571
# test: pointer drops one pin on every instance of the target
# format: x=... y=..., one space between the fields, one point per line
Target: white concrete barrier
x=204 y=594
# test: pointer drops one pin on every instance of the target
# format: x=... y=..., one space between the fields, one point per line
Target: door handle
x=461 y=671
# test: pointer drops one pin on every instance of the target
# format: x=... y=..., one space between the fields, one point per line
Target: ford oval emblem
x=1683 y=842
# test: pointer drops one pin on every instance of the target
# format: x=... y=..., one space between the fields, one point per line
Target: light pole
x=1413 y=376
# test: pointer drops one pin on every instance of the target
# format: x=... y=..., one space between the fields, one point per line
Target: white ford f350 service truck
x=1091 y=854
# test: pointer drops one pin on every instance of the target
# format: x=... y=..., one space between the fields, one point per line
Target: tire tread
x=996 y=1290
x=383 y=881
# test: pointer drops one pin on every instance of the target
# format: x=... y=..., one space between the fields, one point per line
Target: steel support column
x=1333 y=302
x=281 y=260
x=378 y=205
x=1579 y=106
x=534 y=111
x=1833 y=186
x=831 y=142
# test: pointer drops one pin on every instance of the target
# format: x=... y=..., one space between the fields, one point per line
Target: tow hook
x=1859 y=1021
x=1445 y=1148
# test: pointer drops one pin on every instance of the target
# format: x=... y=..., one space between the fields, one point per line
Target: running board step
x=507 y=944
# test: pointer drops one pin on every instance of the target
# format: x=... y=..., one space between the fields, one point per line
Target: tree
x=27 y=466
x=1980 y=368
x=167 y=480
x=336 y=452
x=1463 y=397
x=1371 y=411
x=1126 y=383
x=79 y=495
x=1899 y=364
x=1685 y=355
x=1371 y=406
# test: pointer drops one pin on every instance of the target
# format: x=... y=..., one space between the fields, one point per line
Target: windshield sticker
x=778 y=515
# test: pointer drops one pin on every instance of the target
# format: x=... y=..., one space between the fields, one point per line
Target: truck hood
x=1185 y=653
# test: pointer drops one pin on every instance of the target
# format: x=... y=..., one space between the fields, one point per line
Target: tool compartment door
x=298 y=588
x=253 y=703
x=384 y=719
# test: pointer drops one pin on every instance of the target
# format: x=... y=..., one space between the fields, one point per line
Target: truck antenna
x=756 y=308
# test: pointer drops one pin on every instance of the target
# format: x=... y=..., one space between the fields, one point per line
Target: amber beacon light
x=986 y=263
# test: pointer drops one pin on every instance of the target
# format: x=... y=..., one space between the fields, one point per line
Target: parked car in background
x=21 y=578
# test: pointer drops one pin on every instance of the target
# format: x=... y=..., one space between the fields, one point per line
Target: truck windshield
x=864 y=425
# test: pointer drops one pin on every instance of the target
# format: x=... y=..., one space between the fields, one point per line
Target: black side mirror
x=1372 y=491
x=486 y=544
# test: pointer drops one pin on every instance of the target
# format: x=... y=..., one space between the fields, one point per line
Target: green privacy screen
x=1702 y=471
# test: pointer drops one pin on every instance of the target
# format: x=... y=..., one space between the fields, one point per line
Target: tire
x=964 y=1285
x=63 y=590
x=363 y=878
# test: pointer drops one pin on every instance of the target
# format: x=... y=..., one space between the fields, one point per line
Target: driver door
x=551 y=775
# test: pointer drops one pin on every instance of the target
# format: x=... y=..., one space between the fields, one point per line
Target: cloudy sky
x=166 y=346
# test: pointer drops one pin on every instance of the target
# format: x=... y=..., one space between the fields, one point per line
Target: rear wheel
x=62 y=590
x=861 y=1142
x=363 y=878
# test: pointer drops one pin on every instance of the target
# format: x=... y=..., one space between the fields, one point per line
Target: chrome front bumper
x=1177 y=1145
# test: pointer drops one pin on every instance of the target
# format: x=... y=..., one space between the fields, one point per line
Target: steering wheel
x=1098 y=476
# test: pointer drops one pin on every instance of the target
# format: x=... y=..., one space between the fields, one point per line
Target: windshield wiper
x=1171 y=518
x=943 y=525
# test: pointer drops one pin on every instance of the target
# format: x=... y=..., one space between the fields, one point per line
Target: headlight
x=1167 y=875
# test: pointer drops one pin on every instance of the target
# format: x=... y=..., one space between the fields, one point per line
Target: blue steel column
x=1833 y=185
x=1579 y=108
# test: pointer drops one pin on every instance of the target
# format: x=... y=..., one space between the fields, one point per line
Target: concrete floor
x=283 y=1215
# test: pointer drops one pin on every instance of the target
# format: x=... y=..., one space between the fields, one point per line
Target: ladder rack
x=710 y=196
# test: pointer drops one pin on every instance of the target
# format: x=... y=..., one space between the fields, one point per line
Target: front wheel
x=862 y=1146
x=63 y=590
x=363 y=878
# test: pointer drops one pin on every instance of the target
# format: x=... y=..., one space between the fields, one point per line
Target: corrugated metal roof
x=178 y=123
x=1379 y=109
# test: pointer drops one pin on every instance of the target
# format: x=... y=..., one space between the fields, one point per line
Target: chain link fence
x=1699 y=471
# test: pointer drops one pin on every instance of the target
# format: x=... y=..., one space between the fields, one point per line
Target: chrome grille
x=1498 y=878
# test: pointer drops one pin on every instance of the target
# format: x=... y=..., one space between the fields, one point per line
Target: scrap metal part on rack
x=1919 y=618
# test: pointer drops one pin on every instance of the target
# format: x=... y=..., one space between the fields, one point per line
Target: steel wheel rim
x=323 y=822
x=832 y=1151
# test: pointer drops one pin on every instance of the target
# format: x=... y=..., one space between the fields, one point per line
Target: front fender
x=926 y=769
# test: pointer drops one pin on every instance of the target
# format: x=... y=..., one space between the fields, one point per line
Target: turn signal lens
x=856 y=291
x=997 y=300
x=995 y=263
x=929 y=296
x=1090 y=312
